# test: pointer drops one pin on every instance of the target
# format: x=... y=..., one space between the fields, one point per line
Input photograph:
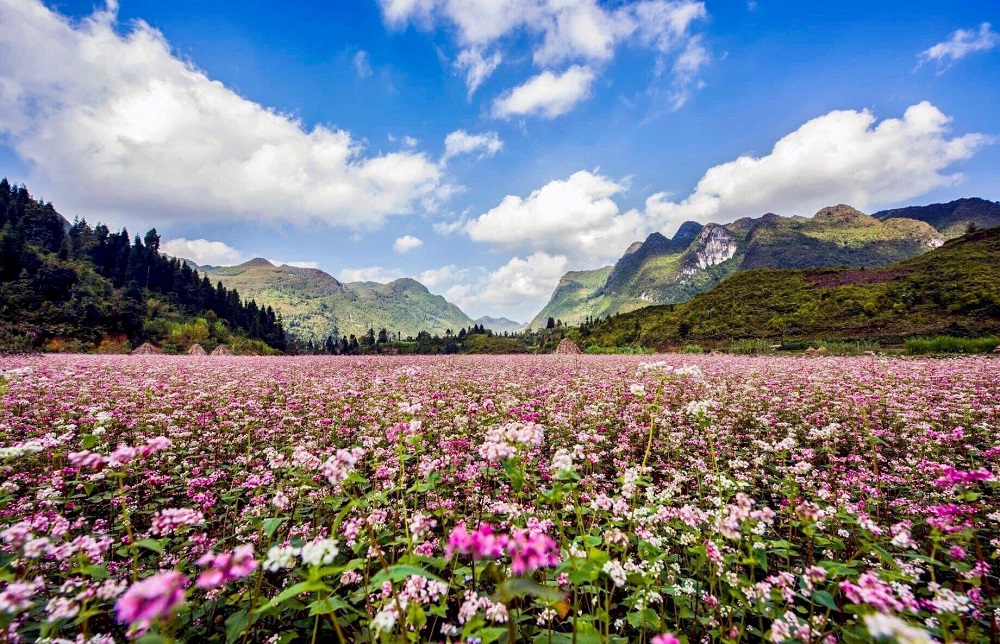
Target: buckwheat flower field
x=499 y=499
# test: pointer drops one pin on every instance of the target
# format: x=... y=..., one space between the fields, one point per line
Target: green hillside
x=668 y=271
x=574 y=298
x=315 y=305
x=953 y=289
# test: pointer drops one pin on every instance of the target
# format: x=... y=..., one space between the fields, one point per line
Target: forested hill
x=76 y=287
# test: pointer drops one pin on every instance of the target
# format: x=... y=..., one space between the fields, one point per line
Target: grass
x=845 y=348
x=751 y=346
x=951 y=345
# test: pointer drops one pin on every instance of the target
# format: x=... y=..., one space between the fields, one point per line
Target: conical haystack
x=146 y=349
x=197 y=350
x=567 y=346
x=222 y=350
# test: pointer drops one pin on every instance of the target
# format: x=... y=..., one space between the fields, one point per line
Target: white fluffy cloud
x=362 y=64
x=203 y=252
x=370 y=274
x=461 y=142
x=845 y=156
x=518 y=289
x=576 y=218
x=444 y=276
x=960 y=44
x=406 y=243
x=547 y=95
x=560 y=31
x=116 y=123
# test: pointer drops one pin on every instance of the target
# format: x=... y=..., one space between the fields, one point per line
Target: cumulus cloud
x=547 y=95
x=370 y=274
x=960 y=44
x=203 y=252
x=434 y=278
x=518 y=289
x=576 y=218
x=406 y=243
x=461 y=142
x=115 y=122
x=362 y=64
x=560 y=31
x=845 y=156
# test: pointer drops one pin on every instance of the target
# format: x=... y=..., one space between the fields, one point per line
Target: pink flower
x=530 y=551
x=226 y=566
x=950 y=477
x=665 y=638
x=152 y=598
x=481 y=544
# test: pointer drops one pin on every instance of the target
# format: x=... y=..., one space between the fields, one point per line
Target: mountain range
x=662 y=270
x=314 y=304
x=952 y=289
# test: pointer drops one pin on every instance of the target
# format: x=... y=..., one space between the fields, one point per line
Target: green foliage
x=692 y=348
x=950 y=344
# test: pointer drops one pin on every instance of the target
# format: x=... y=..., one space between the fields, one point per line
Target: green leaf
x=235 y=625
x=327 y=605
x=521 y=586
x=825 y=599
x=150 y=544
x=293 y=591
x=271 y=525
x=402 y=571
x=97 y=572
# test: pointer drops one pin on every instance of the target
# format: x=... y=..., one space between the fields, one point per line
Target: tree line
x=80 y=281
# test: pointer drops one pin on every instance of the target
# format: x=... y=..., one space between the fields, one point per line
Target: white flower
x=384 y=621
x=637 y=390
x=279 y=557
x=880 y=625
x=320 y=552
x=699 y=407
x=562 y=461
x=616 y=571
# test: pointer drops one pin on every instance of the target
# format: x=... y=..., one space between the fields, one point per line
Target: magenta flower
x=152 y=598
x=951 y=477
x=481 y=544
x=226 y=566
x=665 y=638
x=531 y=550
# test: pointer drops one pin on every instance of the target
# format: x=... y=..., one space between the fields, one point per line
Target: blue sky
x=317 y=134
